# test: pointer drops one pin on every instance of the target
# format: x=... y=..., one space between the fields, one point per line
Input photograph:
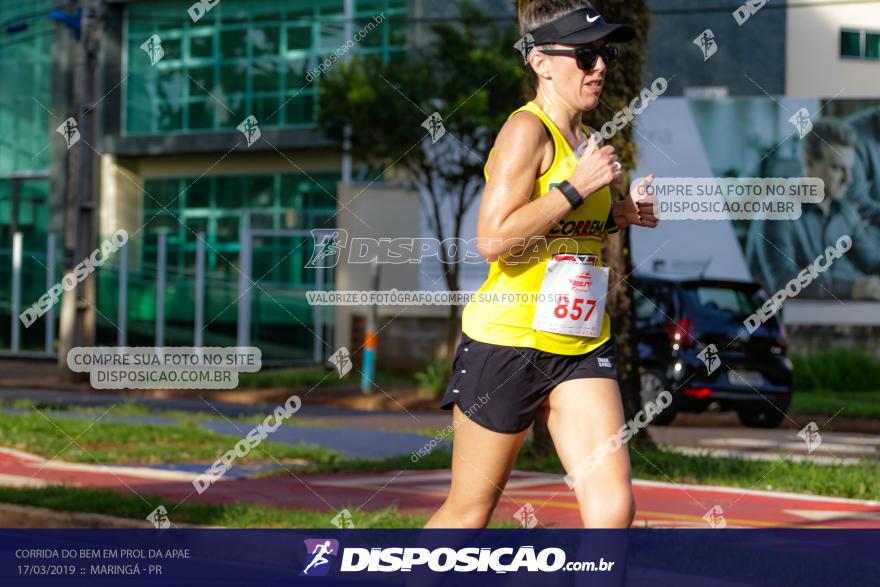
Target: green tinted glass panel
x=233 y=43
x=298 y=109
x=372 y=34
x=267 y=77
x=25 y=98
x=299 y=37
x=264 y=41
x=266 y=109
x=201 y=46
x=201 y=114
x=850 y=44
x=872 y=46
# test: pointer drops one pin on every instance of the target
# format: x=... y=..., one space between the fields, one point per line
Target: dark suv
x=679 y=319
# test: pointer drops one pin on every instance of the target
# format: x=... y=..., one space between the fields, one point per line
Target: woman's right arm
x=508 y=217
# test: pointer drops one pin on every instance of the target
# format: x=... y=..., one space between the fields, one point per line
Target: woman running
x=542 y=217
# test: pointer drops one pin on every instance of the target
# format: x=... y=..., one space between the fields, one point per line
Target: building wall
x=815 y=67
x=409 y=336
x=806 y=340
x=121 y=203
x=671 y=52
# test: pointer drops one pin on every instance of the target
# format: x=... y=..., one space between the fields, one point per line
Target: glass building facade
x=242 y=58
x=25 y=126
x=219 y=207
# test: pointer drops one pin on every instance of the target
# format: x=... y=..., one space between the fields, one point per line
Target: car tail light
x=680 y=332
x=698 y=392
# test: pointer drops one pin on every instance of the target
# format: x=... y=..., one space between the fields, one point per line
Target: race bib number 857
x=572 y=297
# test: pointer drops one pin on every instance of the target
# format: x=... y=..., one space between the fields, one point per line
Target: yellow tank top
x=510 y=324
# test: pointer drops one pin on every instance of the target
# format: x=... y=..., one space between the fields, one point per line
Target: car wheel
x=653 y=384
x=769 y=417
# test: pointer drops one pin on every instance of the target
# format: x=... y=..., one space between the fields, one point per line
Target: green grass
x=854 y=404
x=49 y=436
x=132 y=408
x=237 y=515
x=851 y=481
x=126 y=408
x=836 y=370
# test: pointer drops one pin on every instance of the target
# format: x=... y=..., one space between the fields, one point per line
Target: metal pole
x=160 y=292
x=78 y=305
x=244 y=282
x=318 y=318
x=14 y=195
x=371 y=339
x=16 y=293
x=122 y=316
x=50 y=282
x=199 y=323
x=346 y=143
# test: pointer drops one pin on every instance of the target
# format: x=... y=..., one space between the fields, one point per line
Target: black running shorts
x=502 y=388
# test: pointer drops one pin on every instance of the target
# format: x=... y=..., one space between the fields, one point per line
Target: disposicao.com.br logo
x=318 y=553
x=321 y=552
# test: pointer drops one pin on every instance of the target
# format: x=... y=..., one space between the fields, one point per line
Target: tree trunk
x=623 y=328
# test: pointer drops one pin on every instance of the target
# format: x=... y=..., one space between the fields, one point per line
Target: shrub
x=434 y=379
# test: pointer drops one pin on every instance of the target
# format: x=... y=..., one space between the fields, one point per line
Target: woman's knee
x=609 y=508
x=469 y=514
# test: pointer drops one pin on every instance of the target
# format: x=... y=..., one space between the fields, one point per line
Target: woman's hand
x=638 y=209
x=596 y=169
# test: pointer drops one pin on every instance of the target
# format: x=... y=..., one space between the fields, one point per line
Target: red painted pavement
x=554 y=505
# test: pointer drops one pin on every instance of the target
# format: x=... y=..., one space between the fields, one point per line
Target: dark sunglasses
x=587 y=56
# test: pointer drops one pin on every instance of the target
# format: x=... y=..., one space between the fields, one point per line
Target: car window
x=644 y=309
x=652 y=303
x=730 y=301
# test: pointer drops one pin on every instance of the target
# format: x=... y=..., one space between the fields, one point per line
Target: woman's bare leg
x=481 y=463
x=583 y=414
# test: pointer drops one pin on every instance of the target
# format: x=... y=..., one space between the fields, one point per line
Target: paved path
x=356 y=443
x=552 y=504
x=375 y=435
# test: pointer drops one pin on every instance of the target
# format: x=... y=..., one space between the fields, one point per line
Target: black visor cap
x=580 y=28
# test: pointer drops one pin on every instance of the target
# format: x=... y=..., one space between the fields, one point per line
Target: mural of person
x=779 y=249
x=865 y=189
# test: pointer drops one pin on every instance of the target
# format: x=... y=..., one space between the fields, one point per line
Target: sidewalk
x=381 y=434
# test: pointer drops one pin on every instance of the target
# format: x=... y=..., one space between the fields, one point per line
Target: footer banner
x=547 y=558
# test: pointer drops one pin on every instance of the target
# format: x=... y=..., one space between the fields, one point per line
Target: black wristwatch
x=571 y=194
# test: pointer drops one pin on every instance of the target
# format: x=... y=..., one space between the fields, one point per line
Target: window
x=282 y=320
x=872 y=45
x=216 y=205
x=860 y=44
x=653 y=304
x=26 y=58
x=850 y=44
x=242 y=58
x=722 y=302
